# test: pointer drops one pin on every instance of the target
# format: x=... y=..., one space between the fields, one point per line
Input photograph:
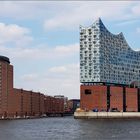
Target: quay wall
x=106 y=115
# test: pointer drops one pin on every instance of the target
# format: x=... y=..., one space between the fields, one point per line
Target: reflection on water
x=68 y=128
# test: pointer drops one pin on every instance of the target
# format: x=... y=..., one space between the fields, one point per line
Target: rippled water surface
x=67 y=128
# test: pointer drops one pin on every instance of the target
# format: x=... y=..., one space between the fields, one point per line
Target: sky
x=41 y=38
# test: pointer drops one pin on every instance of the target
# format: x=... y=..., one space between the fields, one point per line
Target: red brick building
x=53 y=105
x=22 y=103
x=109 y=98
x=25 y=103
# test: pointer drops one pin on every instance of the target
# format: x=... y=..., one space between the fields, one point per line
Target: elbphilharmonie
x=106 y=57
x=109 y=71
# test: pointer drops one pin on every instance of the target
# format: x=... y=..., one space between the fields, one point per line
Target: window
x=87 y=91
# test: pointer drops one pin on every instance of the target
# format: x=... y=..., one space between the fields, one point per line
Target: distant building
x=60 y=97
x=64 y=98
x=74 y=104
x=107 y=58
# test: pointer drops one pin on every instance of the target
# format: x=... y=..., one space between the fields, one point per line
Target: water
x=67 y=128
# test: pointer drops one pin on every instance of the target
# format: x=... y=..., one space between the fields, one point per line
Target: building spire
x=99 y=21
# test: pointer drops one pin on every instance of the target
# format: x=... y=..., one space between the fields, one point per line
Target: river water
x=68 y=128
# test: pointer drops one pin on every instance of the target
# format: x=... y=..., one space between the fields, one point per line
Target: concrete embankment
x=106 y=115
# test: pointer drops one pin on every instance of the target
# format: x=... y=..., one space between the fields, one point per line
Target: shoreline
x=37 y=117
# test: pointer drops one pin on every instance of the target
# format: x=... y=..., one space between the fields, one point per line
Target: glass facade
x=107 y=58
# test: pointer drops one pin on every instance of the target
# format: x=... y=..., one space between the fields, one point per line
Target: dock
x=106 y=115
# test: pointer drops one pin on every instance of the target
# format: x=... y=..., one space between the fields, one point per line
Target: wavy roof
x=99 y=21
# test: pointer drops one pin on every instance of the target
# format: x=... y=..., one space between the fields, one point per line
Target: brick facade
x=6 y=86
x=96 y=99
x=116 y=98
x=131 y=99
x=53 y=105
x=119 y=98
x=28 y=103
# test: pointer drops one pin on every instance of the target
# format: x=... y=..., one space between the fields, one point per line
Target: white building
x=107 y=58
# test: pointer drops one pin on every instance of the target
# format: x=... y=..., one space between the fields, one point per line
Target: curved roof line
x=123 y=38
x=119 y=34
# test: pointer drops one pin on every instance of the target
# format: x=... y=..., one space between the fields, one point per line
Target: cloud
x=68 y=14
x=12 y=33
x=67 y=83
x=40 y=52
x=23 y=9
x=66 y=50
x=138 y=30
x=126 y=22
x=136 y=9
x=68 y=70
x=60 y=69
x=29 y=77
x=30 y=10
x=82 y=12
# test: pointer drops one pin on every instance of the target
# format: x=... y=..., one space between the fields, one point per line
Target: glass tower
x=107 y=58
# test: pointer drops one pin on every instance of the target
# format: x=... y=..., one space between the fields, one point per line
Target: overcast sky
x=42 y=39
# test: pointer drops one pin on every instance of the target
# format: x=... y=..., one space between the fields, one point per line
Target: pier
x=106 y=115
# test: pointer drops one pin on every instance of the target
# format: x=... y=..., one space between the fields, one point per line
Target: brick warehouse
x=106 y=98
x=21 y=103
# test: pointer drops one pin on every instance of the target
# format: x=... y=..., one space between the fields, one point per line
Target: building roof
x=4 y=58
